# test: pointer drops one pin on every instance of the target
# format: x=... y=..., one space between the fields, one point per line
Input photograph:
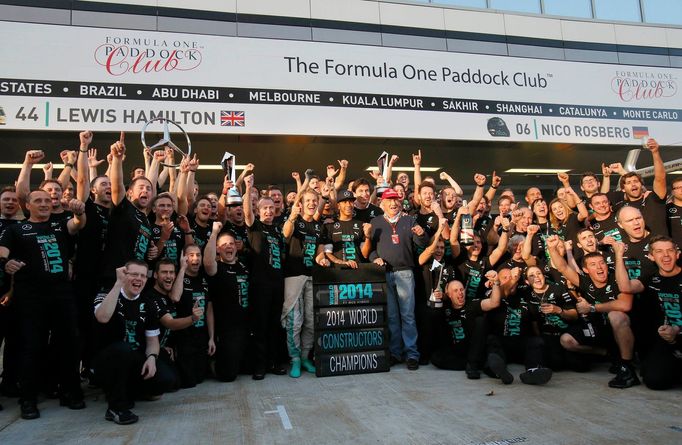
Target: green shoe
x=308 y=366
x=295 y=371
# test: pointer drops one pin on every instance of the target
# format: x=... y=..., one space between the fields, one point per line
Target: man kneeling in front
x=128 y=343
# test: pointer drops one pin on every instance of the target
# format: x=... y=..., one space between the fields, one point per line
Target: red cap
x=390 y=194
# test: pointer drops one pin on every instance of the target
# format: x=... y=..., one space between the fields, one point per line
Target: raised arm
x=106 y=308
x=559 y=262
x=83 y=173
x=341 y=177
x=501 y=247
x=479 y=180
x=417 y=162
x=492 y=302
x=605 y=178
x=527 y=248
x=31 y=158
x=249 y=217
x=118 y=150
x=210 y=251
x=426 y=255
x=659 y=169
x=623 y=280
x=444 y=176
x=495 y=182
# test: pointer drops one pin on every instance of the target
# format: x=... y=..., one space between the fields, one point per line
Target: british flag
x=232 y=118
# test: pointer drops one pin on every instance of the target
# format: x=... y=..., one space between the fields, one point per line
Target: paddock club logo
x=632 y=86
x=140 y=55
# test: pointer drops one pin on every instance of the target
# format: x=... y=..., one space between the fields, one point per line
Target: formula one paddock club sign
x=69 y=78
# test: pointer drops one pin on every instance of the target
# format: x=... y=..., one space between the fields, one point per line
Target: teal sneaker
x=308 y=366
x=295 y=371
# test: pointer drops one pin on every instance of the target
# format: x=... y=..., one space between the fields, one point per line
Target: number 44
x=21 y=115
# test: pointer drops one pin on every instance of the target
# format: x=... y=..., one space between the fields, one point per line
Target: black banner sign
x=349 y=317
x=351 y=340
x=352 y=363
x=227 y=95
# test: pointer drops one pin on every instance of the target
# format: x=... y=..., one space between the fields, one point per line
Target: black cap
x=345 y=195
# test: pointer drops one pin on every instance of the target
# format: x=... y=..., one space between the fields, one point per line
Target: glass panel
x=517 y=5
x=625 y=10
x=469 y=3
x=569 y=8
x=663 y=11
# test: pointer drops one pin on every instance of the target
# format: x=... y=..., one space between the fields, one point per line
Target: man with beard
x=266 y=283
x=37 y=253
x=9 y=207
x=128 y=337
x=129 y=232
x=170 y=237
x=652 y=205
x=393 y=236
x=603 y=308
x=348 y=239
x=167 y=313
x=228 y=305
x=303 y=236
x=202 y=222
x=190 y=292
x=662 y=360
x=364 y=210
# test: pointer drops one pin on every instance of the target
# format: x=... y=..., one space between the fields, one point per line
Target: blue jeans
x=401 y=322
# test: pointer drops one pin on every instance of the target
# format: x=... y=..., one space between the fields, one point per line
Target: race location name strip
x=176 y=93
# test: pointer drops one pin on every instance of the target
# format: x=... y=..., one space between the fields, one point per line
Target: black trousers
x=41 y=317
x=518 y=349
x=231 y=349
x=118 y=369
x=267 y=298
x=472 y=352
x=431 y=329
x=660 y=368
x=85 y=290
x=9 y=335
x=191 y=358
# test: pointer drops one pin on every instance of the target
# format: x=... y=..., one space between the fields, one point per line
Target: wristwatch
x=593 y=309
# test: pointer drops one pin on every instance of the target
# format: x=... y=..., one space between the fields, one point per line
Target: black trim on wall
x=114 y=8
x=197 y=15
x=53 y=4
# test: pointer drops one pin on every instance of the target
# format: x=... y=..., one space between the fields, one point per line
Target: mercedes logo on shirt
x=26 y=227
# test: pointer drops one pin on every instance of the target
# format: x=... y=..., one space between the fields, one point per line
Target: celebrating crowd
x=142 y=283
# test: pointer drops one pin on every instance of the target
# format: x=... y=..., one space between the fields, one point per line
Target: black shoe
x=121 y=417
x=614 y=368
x=625 y=378
x=29 y=410
x=536 y=376
x=395 y=361
x=72 y=402
x=499 y=368
x=258 y=375
x=412 y=364
x=472 y=373
x=423 y=361
x=278 y=370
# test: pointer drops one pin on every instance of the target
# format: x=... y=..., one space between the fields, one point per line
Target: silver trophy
x=229 y=162
x=382 y=163
x=434 y=302
x=166 y=140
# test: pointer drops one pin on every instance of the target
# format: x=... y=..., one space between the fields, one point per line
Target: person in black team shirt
x=167 y=312
x=266 y=283
x=190 y=290
x=202 y=223
x=511 y=334
x=127 y=332
x=662 y=361
x=674 y=212
x=9 y=207
x=348 y=239
x=303 y=235
x=464 y=320
x=129 y=235
x=170 y=236
x=652 y=205
x=603 y=309
x=37 y=253
x=228 y=305
x=364 y=210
